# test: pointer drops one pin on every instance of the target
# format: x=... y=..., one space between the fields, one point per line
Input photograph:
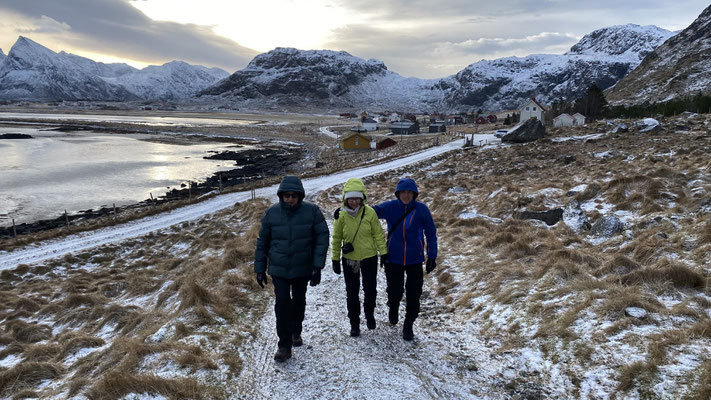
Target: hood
x=291 y=183
x=406 y=184
x=354 y=185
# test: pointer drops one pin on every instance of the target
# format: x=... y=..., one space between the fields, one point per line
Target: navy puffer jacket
x=292 y=240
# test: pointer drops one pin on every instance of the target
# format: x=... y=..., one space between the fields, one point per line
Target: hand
x=430 y=266
x=262 y=279
x=315 y=277
x=336 y=266
x=336 y=212
x=383 y=260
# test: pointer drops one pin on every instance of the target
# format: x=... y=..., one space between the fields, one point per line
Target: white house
x=564 y=119
x=370 y=125
x=532 y=109
x=579 y=119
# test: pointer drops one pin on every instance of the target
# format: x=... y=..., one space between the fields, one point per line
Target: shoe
x=296 y=340
x=370 y=321
x=355 y=332
x=282 y=354
x=407 y=333
x=392 y=315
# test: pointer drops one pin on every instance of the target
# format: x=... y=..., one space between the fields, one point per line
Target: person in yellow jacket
x=358 y=237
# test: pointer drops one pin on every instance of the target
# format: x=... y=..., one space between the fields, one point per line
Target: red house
x=385 y=143
x=481 y=120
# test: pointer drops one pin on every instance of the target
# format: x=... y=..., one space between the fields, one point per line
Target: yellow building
x=355 y=141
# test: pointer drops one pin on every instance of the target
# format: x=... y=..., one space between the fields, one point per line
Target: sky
x=423 y=39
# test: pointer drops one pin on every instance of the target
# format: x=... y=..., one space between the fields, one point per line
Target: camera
x=347 y=248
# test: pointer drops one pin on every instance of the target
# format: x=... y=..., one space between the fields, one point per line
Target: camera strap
x=361 y=221
x=392 y=229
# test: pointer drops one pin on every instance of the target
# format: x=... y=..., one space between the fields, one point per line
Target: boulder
x=550 y=217
x=575 y=217
x=605 y=227
x=527 y=131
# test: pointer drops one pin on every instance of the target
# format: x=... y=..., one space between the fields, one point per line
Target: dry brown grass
x=28 y=374
x=115 y=385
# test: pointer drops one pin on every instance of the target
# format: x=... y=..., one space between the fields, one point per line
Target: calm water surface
x=57 y=171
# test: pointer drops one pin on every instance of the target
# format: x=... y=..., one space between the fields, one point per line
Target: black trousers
x=289 y=307
x=395 y=275
x=369 y=270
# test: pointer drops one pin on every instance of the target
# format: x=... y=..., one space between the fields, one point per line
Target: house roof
x=369 y=120
x=533 y=99
x=402 y=124
x=350 y=135
x=564 y=115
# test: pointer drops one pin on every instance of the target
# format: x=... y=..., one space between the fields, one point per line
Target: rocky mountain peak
x=678 y=68
x=632 y=40
x=285 y=58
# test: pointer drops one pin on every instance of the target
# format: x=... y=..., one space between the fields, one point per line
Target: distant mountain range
x=287 y=78
x=33 y=72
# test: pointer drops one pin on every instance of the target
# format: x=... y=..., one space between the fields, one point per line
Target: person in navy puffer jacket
x=409 y=224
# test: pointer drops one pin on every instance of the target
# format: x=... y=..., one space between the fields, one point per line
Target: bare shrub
x=618 y=265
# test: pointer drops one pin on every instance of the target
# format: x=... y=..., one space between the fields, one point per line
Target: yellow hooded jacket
x=370 y=239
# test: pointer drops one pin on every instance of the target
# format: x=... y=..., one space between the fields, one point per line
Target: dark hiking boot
x=355 y=332
x=392 y=315
x=407 y=333
x=370 y=321
x=283 y=354
x=296 y=340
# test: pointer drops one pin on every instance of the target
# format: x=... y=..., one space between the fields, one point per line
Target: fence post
x=114 y=209
x=14 y=230
x=190 y=190
x=152 y=200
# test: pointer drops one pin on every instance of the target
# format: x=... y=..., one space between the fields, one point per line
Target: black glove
x=430 y=266
x=315 y=277
x=336 y=266
x=336 y=213
x=383 y=260
x=262 y=279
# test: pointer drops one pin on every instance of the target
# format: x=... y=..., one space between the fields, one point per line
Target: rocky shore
x=251 y=165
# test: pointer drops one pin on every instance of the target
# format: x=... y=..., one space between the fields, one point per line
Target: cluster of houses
x=359 y=139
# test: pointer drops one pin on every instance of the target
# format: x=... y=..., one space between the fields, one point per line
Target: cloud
x=529 y=44
x=115 y=27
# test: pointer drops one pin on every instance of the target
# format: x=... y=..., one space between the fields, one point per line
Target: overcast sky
x=425 y=39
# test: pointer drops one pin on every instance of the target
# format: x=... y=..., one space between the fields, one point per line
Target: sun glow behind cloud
x=259 y=25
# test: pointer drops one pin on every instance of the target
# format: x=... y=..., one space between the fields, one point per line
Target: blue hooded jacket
x=406 y=245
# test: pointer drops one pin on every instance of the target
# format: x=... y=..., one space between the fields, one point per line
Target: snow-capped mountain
x=287 y=77
x=98 y=68
x=171 y=81
x=34 y=72
x=602 y=57
x=31 y=71
x=678 y=68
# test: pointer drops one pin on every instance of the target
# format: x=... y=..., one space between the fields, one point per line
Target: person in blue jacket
x=409 y=224
x=291 y=247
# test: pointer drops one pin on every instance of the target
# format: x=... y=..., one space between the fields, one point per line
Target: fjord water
x=74 y=171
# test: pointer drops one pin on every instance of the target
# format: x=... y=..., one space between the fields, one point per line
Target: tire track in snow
x=86 y=240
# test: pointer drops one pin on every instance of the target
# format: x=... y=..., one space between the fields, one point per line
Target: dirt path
x=445 y=361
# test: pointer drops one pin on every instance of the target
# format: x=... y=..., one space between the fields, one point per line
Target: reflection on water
x=141 y=120
x=42 y=177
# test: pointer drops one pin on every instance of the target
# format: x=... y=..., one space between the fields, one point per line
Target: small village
x=378 y=130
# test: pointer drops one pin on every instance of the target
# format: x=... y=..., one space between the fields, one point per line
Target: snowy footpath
x=445 y=361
